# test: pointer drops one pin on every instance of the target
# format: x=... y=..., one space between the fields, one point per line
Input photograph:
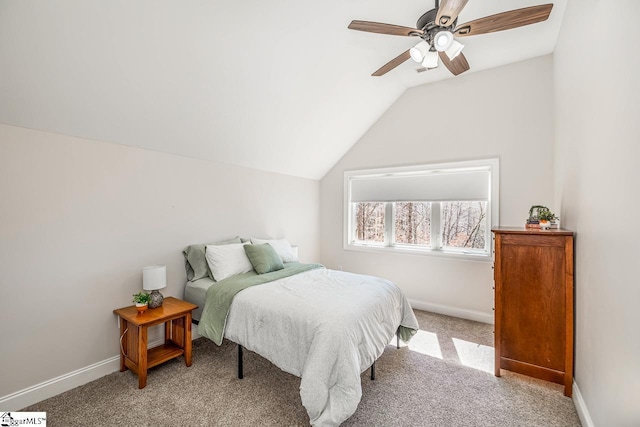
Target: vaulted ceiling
x=281 y=86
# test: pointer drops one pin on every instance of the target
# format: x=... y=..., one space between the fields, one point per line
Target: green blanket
x=221 y=294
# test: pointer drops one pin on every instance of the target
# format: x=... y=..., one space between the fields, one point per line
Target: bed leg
x=240 y=368
x=398 y=341
x=373 y=371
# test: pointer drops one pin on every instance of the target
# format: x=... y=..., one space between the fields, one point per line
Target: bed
x=324 y=326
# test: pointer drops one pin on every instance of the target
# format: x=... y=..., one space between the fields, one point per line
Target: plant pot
x=544 y=224
x=141 y=307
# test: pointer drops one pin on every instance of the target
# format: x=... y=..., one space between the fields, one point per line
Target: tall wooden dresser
x=533 y=273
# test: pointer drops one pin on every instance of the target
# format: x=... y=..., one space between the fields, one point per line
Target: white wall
x=505 y=112
x=598 y=138
x=78 y=221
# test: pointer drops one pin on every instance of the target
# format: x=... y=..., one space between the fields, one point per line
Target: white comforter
x=323 y=326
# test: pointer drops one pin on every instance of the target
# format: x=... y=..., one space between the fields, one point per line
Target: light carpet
x=443 y=378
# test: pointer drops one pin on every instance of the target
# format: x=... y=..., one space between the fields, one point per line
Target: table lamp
x=153 y=278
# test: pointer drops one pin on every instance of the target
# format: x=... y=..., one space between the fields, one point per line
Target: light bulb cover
x=419 y=51
x=443 y=40
x=454 y=50
x=430 y=59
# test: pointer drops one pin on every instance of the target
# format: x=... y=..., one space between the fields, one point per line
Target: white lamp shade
x=154 y=277
x=454 y=50
x=430 y=59
x=419 y=51
x=442 y=41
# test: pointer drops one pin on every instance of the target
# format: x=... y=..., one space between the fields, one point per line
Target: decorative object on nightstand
x=153 y=278
x=142 y=301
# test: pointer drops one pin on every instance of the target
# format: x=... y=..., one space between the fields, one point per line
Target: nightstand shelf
x=134 y=355
x=162 y=353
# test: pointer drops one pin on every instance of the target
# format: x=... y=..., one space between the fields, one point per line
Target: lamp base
x=155 y=299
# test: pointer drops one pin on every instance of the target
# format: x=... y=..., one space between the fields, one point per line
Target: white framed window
x=439 y=209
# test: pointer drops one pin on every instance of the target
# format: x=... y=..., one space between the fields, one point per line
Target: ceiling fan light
x=419 y=51
x=454 y=50
x=443 y=40
x=430 y=59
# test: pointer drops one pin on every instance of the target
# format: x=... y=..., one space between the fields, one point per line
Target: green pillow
x=264 y=258
x=196 y=264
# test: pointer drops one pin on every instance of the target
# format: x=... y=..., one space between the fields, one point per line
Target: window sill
x=420 y=252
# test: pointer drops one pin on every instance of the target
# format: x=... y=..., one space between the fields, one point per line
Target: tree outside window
x=464 y=224
x=413 y=223
x=369 y=219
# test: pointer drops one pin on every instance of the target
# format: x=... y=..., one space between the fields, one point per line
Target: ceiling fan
x=438 y=28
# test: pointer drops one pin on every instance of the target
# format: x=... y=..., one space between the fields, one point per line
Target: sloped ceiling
x=281 y=86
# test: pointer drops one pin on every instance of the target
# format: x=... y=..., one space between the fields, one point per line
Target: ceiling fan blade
x=458 y=66
x=392 y=64
x=380 y=28
x=504 y=21
x=449 y=11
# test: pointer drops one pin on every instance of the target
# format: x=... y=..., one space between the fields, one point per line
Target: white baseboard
x=44 y=390
x=478 y=316
x=39 y=392
x=581 y=407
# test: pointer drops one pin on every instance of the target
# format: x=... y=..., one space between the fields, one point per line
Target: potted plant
x=142 y=301
x=545 y=217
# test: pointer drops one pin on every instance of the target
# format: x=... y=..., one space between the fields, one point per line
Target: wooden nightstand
x=176 y=316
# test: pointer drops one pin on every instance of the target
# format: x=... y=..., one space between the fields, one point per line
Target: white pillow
x=227 y=260
x=282 y=248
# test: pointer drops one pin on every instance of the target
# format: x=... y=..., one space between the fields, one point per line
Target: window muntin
x=462 y=200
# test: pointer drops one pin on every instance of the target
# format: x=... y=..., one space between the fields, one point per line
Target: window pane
x=464 y=224
x=369 y=222
x=413 y=223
